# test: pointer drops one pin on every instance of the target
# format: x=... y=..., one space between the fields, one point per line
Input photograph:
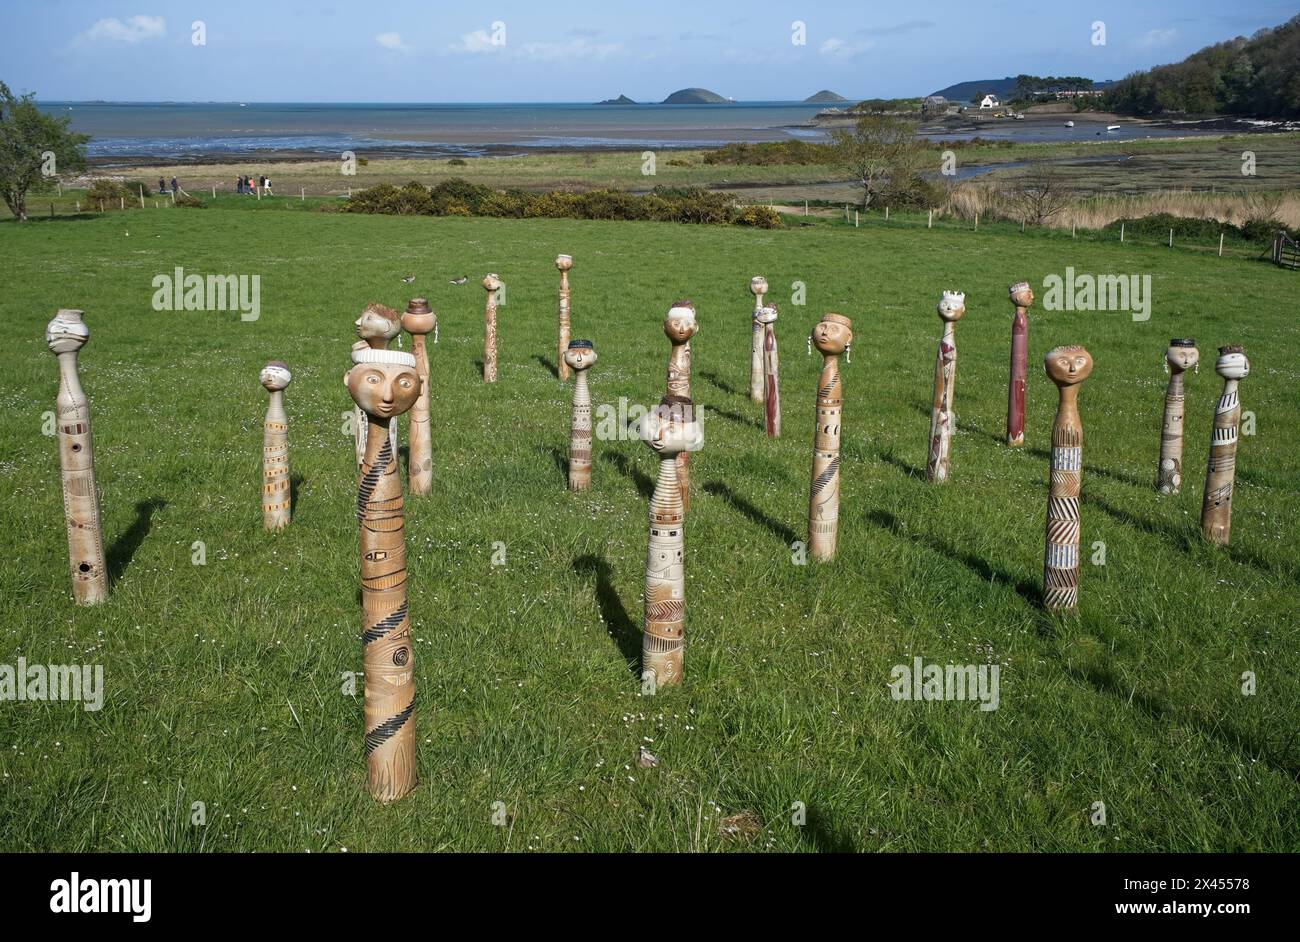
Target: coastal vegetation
x=1259 y=76
x=459 y=197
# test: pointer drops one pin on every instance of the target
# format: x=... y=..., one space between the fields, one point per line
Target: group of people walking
x=252 y=186
x=162 y=185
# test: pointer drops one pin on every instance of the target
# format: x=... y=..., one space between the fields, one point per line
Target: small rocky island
x=620 y=100
x=824 y=97
x=695 y=96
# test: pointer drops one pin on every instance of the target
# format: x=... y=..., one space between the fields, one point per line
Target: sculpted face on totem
x=383 y=389
x=275 y=375
x=766 y=314
x=758 y=286
x=564 y=262
x=680 y=325
x=378 y=323
x=580 y=355
x=1182 y=355
x=669 y=428
x=832 y=334
x=1068 y=365
x=66 y=332
x=1021 y=294
x=492 y=282
x=1232 y=363
x=952 y=306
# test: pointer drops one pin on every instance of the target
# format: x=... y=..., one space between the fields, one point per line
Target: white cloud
x=1157 y=37
x=835 y=48
x=391 y=41
x=136 y=29
x=477 y=41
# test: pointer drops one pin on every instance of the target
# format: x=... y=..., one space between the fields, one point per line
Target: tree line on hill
x=1259 y=76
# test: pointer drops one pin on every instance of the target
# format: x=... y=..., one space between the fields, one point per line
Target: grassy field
x=224 y=681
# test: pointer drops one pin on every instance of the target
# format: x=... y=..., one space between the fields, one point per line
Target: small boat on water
x=1069 y=124
x=1112 y=127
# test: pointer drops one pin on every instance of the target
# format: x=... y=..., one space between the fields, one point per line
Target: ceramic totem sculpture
x=669 y=430
x=1181 y=356
x=679 y=327
x=1216 y=505
x=376 y=326
x=1067 y=367
x=943 y=421
x=491 y=284
x=384 y=383
x=419 y=321
x=831 y=335
x=275 y=376
x=1021 y=297
x=771 y=373
x=580 y=356
x=563 y=263
x=758 y=288
x=65 y=335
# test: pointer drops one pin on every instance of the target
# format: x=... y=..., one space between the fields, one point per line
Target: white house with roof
x=990 y=101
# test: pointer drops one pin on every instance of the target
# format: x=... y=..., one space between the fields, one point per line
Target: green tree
x=877 y=150
x=34 y=149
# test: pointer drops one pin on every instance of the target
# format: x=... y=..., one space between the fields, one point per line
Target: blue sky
x=421 y=50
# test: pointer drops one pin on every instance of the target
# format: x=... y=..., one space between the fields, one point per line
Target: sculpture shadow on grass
x=624 y=631
x=119 y=555
x=746 y=509
x=828 y=837
x=734 y=417
x=295 y=484
x=550 y=367
x=1185 y=538
x=888 y=457
x=560 y=460
x=1279 y=756
x=717 y=381
x=626 y=468
x=1028 y=590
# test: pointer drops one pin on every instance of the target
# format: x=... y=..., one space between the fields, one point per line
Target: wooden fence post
x=1171 y=238
x=1121 y=232
x=855 y=219
x=142 y=196
x=886 y=214
x=929 y=220
x=977 y=222
x=302 y=195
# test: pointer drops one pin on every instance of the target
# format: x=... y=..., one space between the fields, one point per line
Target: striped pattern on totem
x=1227 y=402
x=1063 y=555
x=388 y=729
x=827 y=475
x=384 y=626
x=825 y=391
x=1062 y=508
x=1067 y=437
x=370 y=480
x=1067 y=459
x=1062 y=532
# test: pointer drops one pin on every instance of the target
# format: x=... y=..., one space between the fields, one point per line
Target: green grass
x=224 y=680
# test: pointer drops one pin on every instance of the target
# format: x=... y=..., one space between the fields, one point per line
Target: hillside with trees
x=1259 y=76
